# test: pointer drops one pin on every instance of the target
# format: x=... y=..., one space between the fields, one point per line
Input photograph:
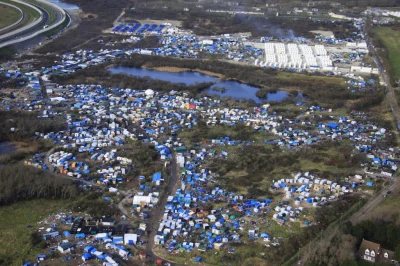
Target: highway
x=4 y=29
x=25 y=33
x=39 y=26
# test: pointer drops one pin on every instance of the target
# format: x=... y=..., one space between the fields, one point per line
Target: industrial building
x=297 y=56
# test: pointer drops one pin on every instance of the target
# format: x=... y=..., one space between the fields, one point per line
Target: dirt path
x=374 y=202
x=81 y=44
x=158 y=212
x=121 y=204
x=119 y=17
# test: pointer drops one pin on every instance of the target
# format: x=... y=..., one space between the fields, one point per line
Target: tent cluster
x=186 y=213
x=300 y=131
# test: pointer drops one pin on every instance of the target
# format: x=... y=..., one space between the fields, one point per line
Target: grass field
x=8 y=16
x=48 y=8
x=29 y=15
x=389 y=209
x=15 y=242
x=312 y=78
x=391 y=40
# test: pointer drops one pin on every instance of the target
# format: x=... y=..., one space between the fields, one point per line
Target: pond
x=64 y=5
x=7 y=148
x=233 y=89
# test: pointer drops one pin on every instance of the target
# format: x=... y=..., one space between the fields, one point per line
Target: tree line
x=19 y=182
x=207 y=23
x=106 y=78
x=24 y=125
x=324 y=91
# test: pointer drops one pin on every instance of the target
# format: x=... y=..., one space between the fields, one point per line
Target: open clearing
x=391 y=40
x=15 y=236
x=8 y=16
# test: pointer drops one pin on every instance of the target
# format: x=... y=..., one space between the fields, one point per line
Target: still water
x=64 y=5
x=234 y=89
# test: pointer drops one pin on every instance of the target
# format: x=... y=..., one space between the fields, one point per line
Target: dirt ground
x=178 y=69
x=175 y=23
x=325 y=34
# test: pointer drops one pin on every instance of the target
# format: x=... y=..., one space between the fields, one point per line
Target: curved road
x=39 y=26
x=51 y=170
x=16 y=22
x=25 y=34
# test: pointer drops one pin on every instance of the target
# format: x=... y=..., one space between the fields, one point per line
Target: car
x=387 y=194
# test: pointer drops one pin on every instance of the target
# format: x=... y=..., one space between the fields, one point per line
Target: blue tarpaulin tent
x=80 y=235
x=157 y=177
x=86 y=256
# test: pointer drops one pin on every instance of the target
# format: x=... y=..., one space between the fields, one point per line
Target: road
x=28 y=31
x=394 y=186
x=4 y=29
x=390 y=93
x=391 y=99
x=364 y=212
x=157 y=213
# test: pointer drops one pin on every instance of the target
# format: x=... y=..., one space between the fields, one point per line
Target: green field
x=311 y=78
x=8 y=16
x=389 y=209
x=48 y=8
x=391 y=40
x=29 y=15
x=15 y=236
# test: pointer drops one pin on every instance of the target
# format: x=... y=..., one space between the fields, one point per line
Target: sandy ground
x=175 y=23
x=326 y=34
x=76 y=15
x=178 y=69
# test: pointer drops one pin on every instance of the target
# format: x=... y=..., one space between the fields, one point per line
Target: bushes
x=385 y=233
x=105 y=13
x=95 y=205
x=26 y=124
x=24 y=183
x=326 y=91
x=207 y=23
x=104 y=77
